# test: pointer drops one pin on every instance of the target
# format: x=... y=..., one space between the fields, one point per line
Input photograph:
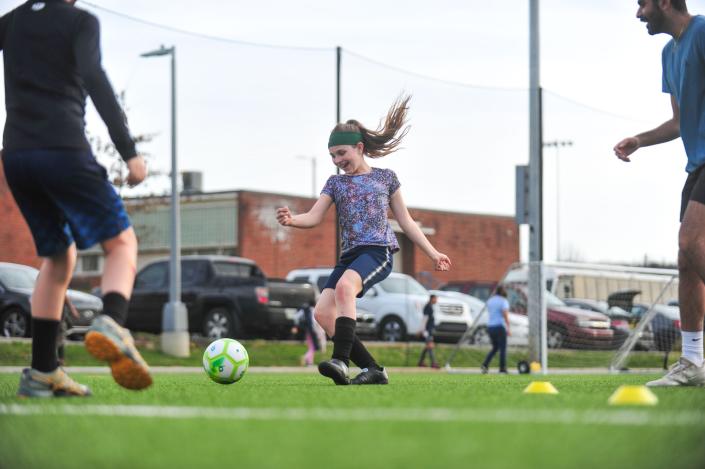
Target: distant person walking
x=497 y=328
x=427 y=328
x=683 y=65
x=51 y=53
x=362 y=196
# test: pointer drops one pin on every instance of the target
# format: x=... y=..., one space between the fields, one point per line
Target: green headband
x=344 y=138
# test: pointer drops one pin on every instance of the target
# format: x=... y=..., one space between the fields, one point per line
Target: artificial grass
x=56 y=440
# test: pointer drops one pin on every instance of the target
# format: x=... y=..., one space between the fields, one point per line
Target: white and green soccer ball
x=225 y=361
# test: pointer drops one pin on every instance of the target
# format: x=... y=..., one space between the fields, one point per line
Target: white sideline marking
x=551 y=416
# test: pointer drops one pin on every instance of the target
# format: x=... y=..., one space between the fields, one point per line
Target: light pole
x=174 y=338
x=558 y=144
x=312 y=159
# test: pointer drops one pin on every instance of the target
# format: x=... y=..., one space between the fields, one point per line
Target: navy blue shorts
x=65 y=197
x=373 y=263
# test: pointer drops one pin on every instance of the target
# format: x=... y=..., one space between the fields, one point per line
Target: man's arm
x=86 y=48
x=665 y=132
x=4 y=20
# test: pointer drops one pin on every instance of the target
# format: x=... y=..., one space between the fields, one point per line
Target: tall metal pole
x=174 y=337
x=338 y=59
x=175 y=261
x=536 y=303
x=557 y=144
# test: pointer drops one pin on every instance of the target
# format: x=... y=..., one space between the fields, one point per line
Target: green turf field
x=303 y=421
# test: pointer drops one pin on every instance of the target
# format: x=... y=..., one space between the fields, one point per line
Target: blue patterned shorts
x=65 y=197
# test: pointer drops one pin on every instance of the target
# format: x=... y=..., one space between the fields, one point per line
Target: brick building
x=243 y=223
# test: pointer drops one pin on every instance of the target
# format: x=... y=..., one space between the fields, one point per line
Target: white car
x=518 y=323
x=397 y=303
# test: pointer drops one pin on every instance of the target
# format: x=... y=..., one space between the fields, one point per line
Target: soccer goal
x=602 y=317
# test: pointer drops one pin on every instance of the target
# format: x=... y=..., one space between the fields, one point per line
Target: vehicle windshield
x=406 y=285
x=17 y=277
x=553 y=300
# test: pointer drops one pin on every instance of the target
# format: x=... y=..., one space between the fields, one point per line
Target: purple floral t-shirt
x=362 y=202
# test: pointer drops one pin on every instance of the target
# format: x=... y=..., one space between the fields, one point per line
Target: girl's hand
x=442 y=262
x=284 y=216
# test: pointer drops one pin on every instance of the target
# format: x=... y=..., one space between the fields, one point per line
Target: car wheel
x=481 y=337
x=218 y=323
x=555 y=338
x=14 y=322
x=392 y=329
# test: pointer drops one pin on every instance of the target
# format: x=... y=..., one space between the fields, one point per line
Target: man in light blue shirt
x=683 y=60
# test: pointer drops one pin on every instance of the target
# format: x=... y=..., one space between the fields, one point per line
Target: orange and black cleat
x=109 y=342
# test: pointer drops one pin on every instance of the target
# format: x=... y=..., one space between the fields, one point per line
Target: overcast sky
x=252 y=117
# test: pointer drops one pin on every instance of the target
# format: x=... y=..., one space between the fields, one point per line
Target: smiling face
x=650 y=13
x=349 y=158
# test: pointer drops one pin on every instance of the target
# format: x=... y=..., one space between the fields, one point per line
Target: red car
x=567 y=327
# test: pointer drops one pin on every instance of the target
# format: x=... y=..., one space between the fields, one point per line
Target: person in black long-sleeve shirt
x=51 y=53
x=429 y=324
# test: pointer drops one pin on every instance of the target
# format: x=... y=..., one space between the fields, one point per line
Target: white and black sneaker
x=371 y=376
x=336 y=370
x=682 y=373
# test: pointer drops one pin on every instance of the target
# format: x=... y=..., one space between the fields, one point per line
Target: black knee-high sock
x=343 y=340
x=44 y=334
x=115 y=306
x=360 y=356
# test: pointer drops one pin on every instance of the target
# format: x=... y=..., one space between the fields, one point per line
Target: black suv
x=225 y=296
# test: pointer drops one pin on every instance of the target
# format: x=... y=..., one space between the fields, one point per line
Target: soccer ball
x=225 y=361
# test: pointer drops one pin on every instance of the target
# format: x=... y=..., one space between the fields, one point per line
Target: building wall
x=16 y=243
x=279 y=249
x=481 y=247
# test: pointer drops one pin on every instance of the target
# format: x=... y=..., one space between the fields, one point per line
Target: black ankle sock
x=115 y=306
x=44 y=334
x=360 y=356
x=343 y=340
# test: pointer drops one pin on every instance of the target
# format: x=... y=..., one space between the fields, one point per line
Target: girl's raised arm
x=305 y=220
x=412 y=230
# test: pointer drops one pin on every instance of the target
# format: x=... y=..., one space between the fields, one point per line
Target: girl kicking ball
x=362 y=195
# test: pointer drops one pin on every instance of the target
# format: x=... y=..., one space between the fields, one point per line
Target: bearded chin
x=656 y=23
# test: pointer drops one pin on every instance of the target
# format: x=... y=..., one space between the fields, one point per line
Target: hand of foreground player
x=137 y=170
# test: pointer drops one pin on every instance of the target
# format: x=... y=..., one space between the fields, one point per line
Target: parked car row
x=231 y=297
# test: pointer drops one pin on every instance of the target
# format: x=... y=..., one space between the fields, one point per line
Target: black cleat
x=374 y=376
x=336 y=370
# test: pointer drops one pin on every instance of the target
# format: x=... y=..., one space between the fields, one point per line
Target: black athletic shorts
x=373 y=263
x=65 y=197
x=694 y=189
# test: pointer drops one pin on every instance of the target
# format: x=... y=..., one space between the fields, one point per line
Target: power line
x=354 y=54
x=202 y=35
x=594 y=109
x=430 y=78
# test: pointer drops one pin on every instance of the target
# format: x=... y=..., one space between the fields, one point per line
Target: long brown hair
x=387 y=137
